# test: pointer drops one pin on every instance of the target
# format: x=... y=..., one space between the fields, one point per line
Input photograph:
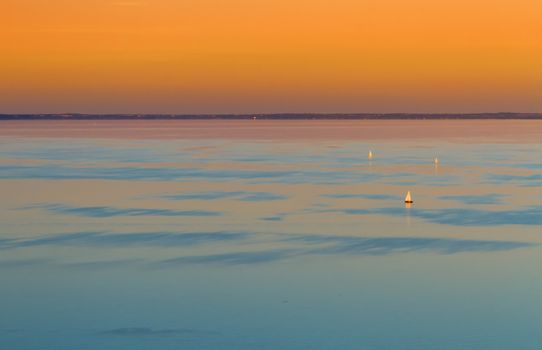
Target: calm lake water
x=270 y=235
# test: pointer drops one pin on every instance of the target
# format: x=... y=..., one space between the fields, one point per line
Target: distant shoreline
x=277 y=116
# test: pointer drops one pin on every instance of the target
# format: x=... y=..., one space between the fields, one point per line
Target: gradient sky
x=255 y=56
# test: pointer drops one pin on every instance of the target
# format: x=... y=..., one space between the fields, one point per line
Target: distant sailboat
x=408 y=198
x=436 y=161
x=370 y=156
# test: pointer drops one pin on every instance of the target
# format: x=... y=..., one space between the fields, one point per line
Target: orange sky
x=213 y=56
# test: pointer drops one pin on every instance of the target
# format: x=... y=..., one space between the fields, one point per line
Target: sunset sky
x=258 y=56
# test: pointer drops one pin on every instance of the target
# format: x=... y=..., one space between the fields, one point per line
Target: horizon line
x=285 y=115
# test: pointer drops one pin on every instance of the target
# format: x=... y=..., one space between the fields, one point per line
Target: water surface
x=270 y=235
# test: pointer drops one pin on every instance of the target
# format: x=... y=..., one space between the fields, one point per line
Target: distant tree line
x=282 y=116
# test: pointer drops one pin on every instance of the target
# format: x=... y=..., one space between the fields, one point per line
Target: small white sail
x=408 y=198
x=370 y=156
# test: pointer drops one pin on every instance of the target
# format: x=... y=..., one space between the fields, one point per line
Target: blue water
x=278 y=244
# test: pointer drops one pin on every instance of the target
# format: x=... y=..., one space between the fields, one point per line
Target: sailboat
x=370 y=156
x=436 y=161
x=408 y=198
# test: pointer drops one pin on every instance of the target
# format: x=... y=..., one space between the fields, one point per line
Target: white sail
x=408 y=198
